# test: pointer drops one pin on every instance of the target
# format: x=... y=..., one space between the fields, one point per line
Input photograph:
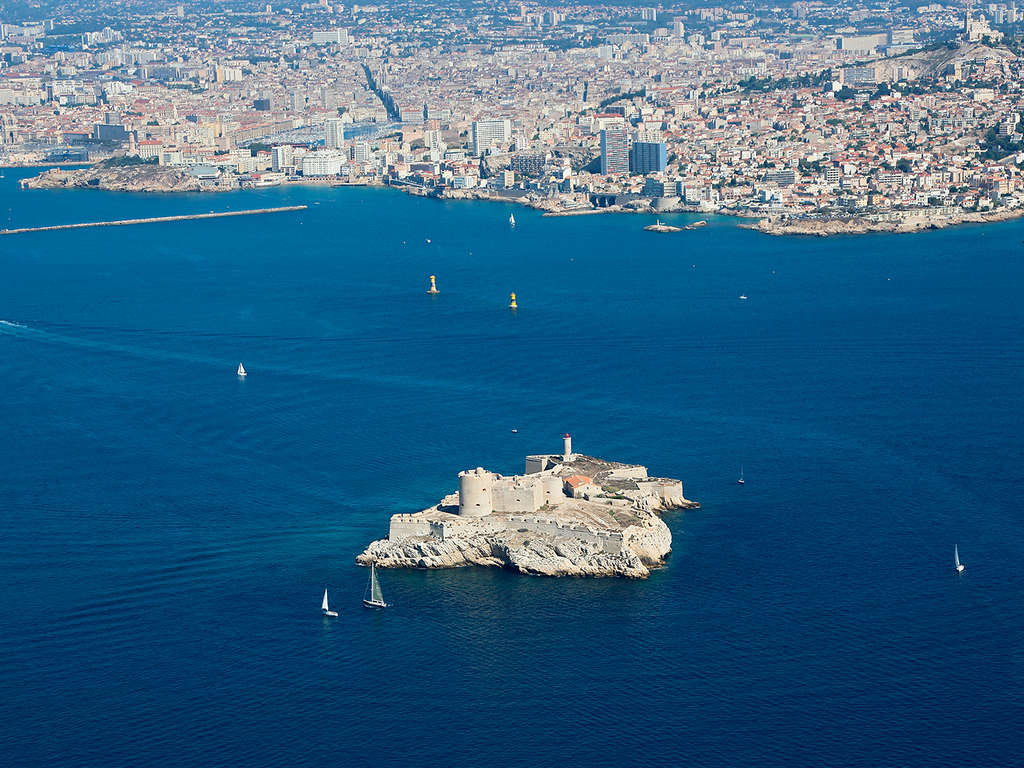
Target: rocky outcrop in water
x=534 y=553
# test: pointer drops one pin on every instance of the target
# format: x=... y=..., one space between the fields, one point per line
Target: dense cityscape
x=809 y=117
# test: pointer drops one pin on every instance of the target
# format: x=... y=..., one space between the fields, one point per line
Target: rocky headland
x=129 y=178
x=901 y=223
x=569 y=515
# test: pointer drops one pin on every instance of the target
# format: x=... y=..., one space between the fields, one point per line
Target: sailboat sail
x=241 y=370
x=324 y=606
x=956 y=555
x=375 y=593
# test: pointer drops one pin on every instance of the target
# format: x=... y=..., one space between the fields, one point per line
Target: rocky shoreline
x=532 y=553
x=915 y=221
x=128 y=178
x=153 y=178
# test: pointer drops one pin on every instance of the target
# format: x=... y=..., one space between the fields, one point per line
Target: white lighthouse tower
x=567 y=448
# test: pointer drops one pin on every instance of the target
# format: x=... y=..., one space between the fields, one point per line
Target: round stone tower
x=475 y=492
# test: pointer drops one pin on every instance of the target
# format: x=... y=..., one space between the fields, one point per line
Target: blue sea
x=167 y=529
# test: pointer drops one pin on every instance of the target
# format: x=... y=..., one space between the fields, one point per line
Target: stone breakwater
x=569 y=515
x=154 y=220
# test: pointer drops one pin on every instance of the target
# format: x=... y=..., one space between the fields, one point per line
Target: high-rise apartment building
x=338 y=36
x=487 y=133
x=282 y=157
x=334 y=133
x=614 y=151
x=648 y=157
x=361 y=152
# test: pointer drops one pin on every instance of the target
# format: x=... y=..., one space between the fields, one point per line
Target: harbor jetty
x=567 y=515
x=154 y=220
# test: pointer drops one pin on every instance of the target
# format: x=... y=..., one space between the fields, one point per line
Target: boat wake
x=21 y=331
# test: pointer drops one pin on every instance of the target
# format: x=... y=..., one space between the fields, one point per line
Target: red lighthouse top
x=566 y=434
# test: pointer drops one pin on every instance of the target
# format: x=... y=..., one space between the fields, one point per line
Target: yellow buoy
x=433 y=286
x=512 y=301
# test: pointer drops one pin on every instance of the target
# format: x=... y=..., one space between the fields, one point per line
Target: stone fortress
x=568 y=514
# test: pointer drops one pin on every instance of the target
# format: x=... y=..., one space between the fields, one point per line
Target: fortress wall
x=404 y=526
x=536 y=464
x=628 y=473
x=517 y=495
x=462 y=526
x=669 y=491
x=609 y=541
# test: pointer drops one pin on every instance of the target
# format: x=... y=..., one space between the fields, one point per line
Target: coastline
x=148 y=178
x=904 y=223
x=75 y=164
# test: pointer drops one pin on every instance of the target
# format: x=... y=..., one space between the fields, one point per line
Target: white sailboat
x=512 y=219
x=740 y=481
x=956 y=559
x=325 y=608
x=376 y=598
x=241 y=370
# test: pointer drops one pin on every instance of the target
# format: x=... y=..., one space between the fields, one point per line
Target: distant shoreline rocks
x=129 y=178
x=906 y=222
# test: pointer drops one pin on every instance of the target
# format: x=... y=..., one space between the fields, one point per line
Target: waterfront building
x=334 y=133
x=648 y=157
x=614 y=151
x=321 y=164
x=282 y=158
x=487 y=133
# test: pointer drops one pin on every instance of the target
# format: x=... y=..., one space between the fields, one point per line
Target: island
x=567 y=515
x=659 y=227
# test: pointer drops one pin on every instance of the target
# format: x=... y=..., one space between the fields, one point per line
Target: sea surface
x=167 y=529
